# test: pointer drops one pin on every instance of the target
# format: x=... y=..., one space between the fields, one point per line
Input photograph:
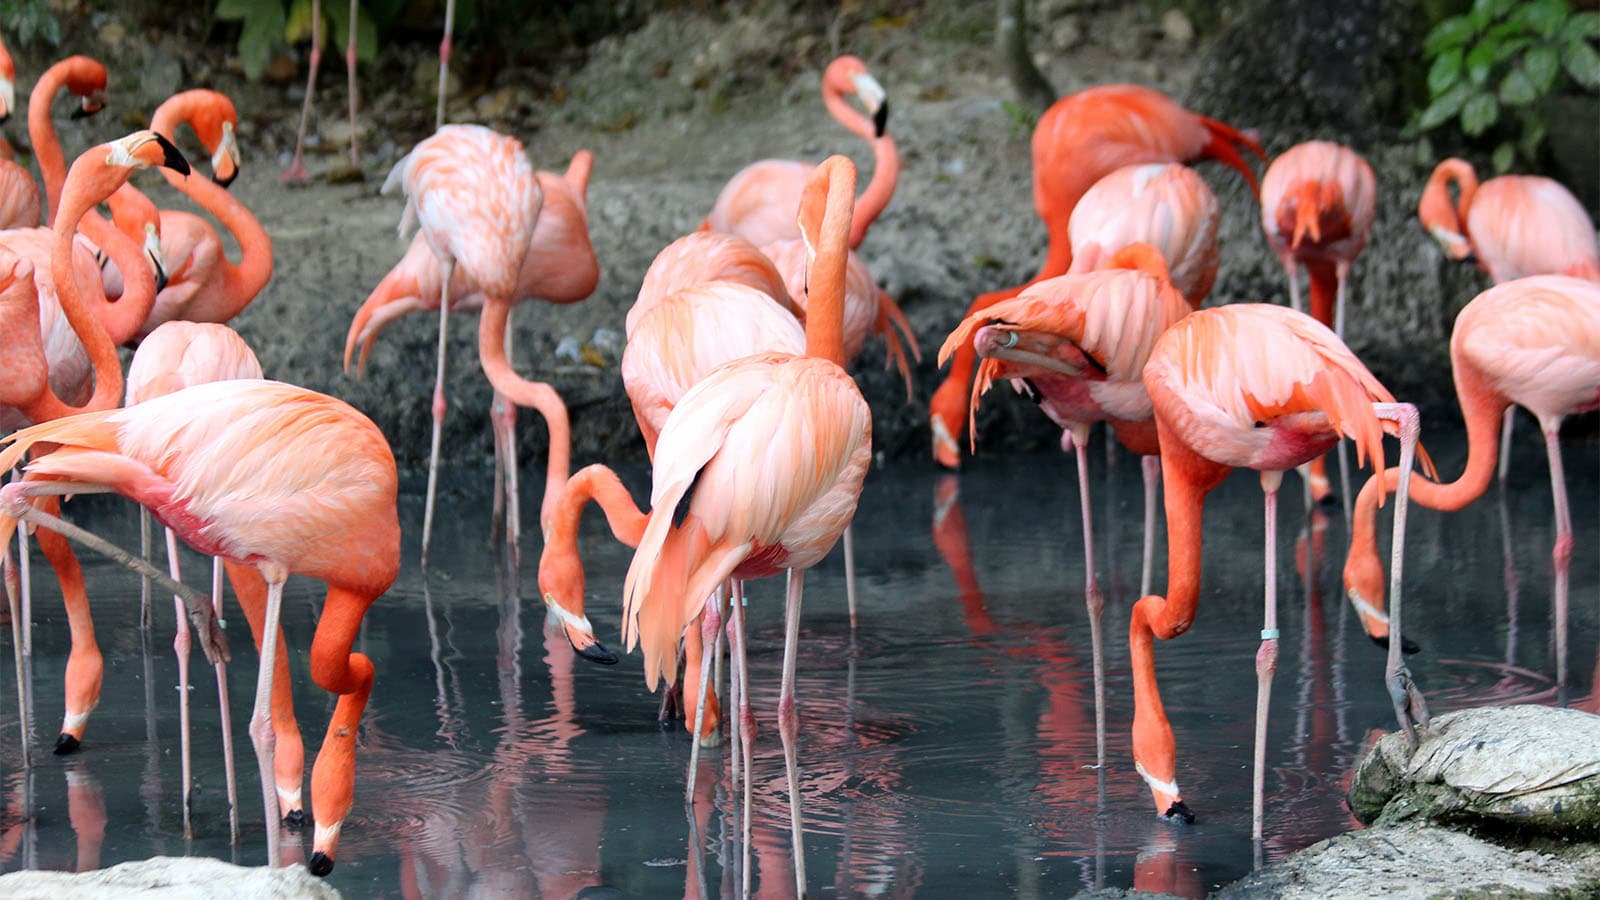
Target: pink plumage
x=1165 y=205
x=708 y=256
x=179 y=354
x=1516 y=225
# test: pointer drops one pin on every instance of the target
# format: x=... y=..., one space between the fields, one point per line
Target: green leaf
x=1445 y=71
x=262 y=33
x=1444 y=107
x=1542 y=64
x=237 y=9
x=1480 y=62
x=1479 y=113
x=1533 y=132
x=1452 y=32
x=298 y=27
x=1517 y=89
x=1544 y=17
x=1584 y=25
x=1504 y=156
x=1511 y=48
x=1582 y=63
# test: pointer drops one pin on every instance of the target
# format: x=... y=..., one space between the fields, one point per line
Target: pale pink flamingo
x=1077 y=344
x=1533 y=342
x=558 y=267
x=1248 y=386
x=273 y=477
x=761 y=464
x=296 y=170
x=758 y=203
x=1514 y=226
x=171 y=358
x=1318 y=200
x=1165 y=205
x=1080 y=139
x=708 y=256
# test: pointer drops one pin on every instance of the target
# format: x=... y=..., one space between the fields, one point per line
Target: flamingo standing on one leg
x=175 y=356
x=758 y=203
x=278 y=478
x=1533 y=342
x=559 y=267
x=1079 y=139
x=1318 y=200
x=1514 y=226
x=297 y=170
x=761 y=465
x=1077 y=344
x=1264 y=387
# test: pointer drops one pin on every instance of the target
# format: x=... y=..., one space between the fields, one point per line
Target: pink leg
x=180 y=646
x=1562 y=555
x=350 y=65
x=13 y=601
x=710 y=624
x=261 y=733
x=439 y=406
x=224 y=712
x=1266 y=654
x=1152 y=487
x=789 y=723
x=850 y=576
x=297 y=170
x=444 y=61
x=1505 y=442
x=1295 y=303
x=747 y=726
x=1093 y=599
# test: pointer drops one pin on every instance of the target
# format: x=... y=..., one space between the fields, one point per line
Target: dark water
x=948 y=751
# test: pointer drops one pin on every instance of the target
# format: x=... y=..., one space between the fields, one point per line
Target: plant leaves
x=1445 y=71
x=1582 y=63
x=1544 y=17
x=1444 y=107
x=1479 y=113
x=234 y=10
x=366 y=32
x=298 y=28
x=1452 y=32
x=1517 y=89
x=1542 y=64
x=1479 y=62
x=1511 y=48
x=1581 y=26
x=1504 y=156
x=1481 y=14
x=1533 y=132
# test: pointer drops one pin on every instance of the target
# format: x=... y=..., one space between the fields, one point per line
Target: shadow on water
x=950 y=746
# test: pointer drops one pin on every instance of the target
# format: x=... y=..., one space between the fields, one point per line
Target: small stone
x=1177 y=27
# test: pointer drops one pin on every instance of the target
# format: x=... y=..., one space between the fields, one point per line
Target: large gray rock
x=170 y=878
x=1530 y=767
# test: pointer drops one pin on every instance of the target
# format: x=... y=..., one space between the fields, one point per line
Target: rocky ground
x=672 y=110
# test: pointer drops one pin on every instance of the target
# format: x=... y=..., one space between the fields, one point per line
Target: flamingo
x=1079 y=139
x=760 y=465
x=1533 y=342
x=559 y=267
x=19 y=196
x=1077 y=344
x=297 y=170
x=758 y=203
x=1514 y=226
x=271 y=476
x=708 y=256
x=1259 y=386
x=1317 y=204
x=1164 y=205
x=175 y=356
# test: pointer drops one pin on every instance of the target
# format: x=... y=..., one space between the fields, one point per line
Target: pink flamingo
x=1533 y=342
x=558 y=267
x=173 y=357
x=1264 y=387
x=758 y=203
x=296 y=170
x=1318 y=200
x=1077 y=345
x=1514 y=226
x=1164 y=205
x=19 y=196
x=761 y=464
x=271 y=476
x=708 y=256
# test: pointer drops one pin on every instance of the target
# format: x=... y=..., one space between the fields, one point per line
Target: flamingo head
x=86 y=78
x=8 y=88
x=561 y=582
x=849 y=75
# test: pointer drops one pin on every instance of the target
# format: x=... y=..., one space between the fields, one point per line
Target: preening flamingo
x=1533 y=342
x=1514 y=226
x=1318 y=200
x=558 y=267
x=1077 y=345
x=1165 y=205
x=296 y=170
x=760 y=466
x=708 y=256
x=758 y=203
x=1079 y=139
x=175 y=356
x=1248 y=386
x=273 y=477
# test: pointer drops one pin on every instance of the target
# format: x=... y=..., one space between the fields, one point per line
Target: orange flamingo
x=1514 y=226
x=1264 y=387
x=558 y=267
x=297 y=170
x=271 y=476
x=1079 y=139
x=761 y=464
x=1533 y=342
x=1077 y=344
x=758 y=203
x=175 y=356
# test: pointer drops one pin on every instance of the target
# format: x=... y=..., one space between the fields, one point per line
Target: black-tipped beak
x=1407 y=645
x=597 y=653
x=90 y=105
x=5 y=117
x=161 y=274
x=224 y=182
x=172 y=158
x=81 y=113
x=880 y=119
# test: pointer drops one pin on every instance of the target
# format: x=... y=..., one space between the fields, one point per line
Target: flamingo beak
x=874 y=99
x=225 y=162
x=8 y=98
x=152 y=250
x=1454 y=245
x=92 y=103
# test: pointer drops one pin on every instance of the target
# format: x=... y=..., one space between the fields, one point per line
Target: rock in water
x=1523 y=766
x=170 y=878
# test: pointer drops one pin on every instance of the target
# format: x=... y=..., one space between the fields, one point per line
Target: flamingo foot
x=321 y=864
x=1410 y=709
x=66 y=744
x=295 y=174
x=1179 y=812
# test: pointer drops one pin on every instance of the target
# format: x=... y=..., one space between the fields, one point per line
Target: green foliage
x=267 y=25
x=1498 y=62
x=29 y=19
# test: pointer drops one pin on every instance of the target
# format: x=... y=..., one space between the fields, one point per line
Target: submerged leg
x=1093 y=599
x=14 y=603
x=789 y=722
x=144 y=580
x=710 y=624
x=747 y=724
x=1562 y=554
x=1266 y=654
x=438 y=411
x=850 y=576
x=297 y=170
x=180 y=646
x=1409 y=707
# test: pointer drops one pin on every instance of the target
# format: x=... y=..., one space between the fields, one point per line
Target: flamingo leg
x=850 y=575
x=717 y=685
x=710 y=624
x=297 y=170
x=1295 y=303
x=13 y=603
x=144 y=580
x=180 y=646
x=261 y=732
x=509 y=424
x=439 y=405
x=250 y=589
x=1344 y=481
x=337 y=670
x=224 y=713
x=1409 y=707
x=1152 y=484
x=350 y=66
x=789 y=722
x=85 y=665
x=1093 y=599
x=444 y=61
x=1342 y=273
x=1562 y=554
x=1505 y=442
x=747 y=726
x=1266 y=654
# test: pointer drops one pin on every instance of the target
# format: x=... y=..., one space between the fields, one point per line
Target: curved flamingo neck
x=851 y=118
x=240 y=283
x=42 y=132
x=873 y=200
x=76 y=200
x=122 y=319
x=600 y=484
x=825 y=310
x=522 y=392
x=1466 y=181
